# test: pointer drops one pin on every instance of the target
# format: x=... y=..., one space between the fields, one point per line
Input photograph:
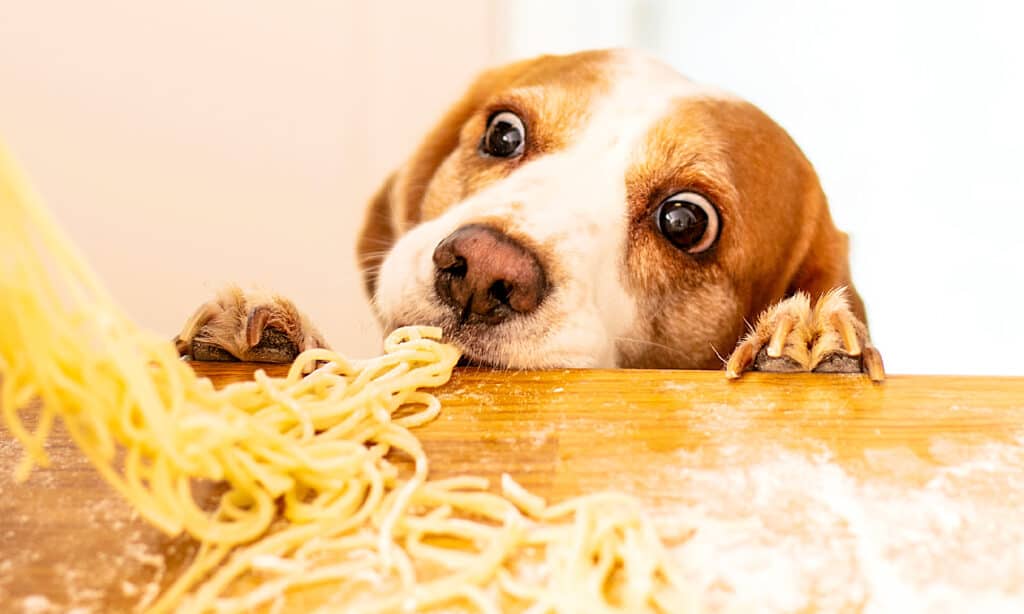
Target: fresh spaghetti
x=312 y=499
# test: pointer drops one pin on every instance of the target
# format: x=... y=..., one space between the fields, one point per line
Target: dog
x=593 y=210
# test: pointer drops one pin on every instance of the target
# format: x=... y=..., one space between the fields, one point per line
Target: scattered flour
x=37 y=604
x=784 y=531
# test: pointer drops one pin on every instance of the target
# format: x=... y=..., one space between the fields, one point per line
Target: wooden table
x=782 y=492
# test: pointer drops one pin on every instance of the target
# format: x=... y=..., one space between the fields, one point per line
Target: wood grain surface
x=778 y=492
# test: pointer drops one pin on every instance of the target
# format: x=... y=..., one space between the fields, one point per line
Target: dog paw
x=793 y=336
x=249 y=326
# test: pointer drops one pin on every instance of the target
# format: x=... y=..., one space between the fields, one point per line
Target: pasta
x=313 y=498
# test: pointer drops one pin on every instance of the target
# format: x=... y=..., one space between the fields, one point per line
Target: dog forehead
x=641 y=94
x=620 y=92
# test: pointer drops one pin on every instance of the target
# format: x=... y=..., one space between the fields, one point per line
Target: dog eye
x=689 y=221
x=505 y=136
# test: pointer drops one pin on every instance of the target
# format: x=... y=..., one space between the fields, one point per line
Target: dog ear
x=397 y=205
x=826 y=264
x=376 y=236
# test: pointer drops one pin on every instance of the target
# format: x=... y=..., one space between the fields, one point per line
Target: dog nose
x=487 y=275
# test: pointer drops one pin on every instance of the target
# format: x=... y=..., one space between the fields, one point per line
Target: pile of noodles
x=312 y=498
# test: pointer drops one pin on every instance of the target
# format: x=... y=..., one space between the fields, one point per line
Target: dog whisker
x=386 y=243
x=723 y=359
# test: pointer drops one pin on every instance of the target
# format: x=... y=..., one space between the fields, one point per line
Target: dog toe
x=840 y=343
x=776 y=364
x=839 y=362
x=777 y=342
x=204 y=351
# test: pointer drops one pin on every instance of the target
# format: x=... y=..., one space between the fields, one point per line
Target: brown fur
x=779 y=238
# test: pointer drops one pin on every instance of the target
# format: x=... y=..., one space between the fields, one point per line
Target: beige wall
x=189 y=144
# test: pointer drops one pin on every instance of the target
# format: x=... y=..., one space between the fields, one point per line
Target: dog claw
x=256 y=322
x=739 y=361
x=842 y=321
x=784 y=326
x=873 y=364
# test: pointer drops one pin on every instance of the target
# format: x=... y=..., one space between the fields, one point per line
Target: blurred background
x=189 y=144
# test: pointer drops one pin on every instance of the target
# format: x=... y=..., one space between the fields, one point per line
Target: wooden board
x=782 y=492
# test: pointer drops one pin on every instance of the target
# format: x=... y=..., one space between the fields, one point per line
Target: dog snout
x=485 y=275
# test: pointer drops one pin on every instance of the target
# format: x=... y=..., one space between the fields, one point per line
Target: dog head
x=597 y=209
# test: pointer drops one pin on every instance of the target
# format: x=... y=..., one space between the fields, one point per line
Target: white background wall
x=187 y=144
x=192 y=143
x=913 y=114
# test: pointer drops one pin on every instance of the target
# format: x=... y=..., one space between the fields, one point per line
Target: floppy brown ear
x=377 y=235
x=826 y=265
x=396 y=206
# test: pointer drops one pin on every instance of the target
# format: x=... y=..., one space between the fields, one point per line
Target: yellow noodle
x=525 y=500
x=313 y=446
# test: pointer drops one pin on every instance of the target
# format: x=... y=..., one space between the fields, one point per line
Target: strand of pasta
x=317 y=448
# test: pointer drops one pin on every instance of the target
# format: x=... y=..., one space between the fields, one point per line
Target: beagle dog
x=593 y=210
